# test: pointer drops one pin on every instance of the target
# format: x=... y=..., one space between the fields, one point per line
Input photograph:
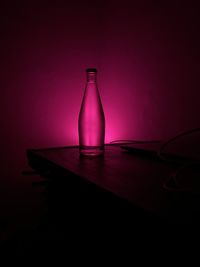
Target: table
x=118 y=185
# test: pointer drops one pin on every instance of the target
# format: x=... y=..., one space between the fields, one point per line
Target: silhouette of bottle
x=91 y=122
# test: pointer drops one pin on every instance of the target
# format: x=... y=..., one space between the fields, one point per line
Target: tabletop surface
x=139 y=180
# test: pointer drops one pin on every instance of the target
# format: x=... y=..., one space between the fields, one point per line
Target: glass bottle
x=91 y=122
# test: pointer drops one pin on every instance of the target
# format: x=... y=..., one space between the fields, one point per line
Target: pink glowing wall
x=45 y=49
x=146 y=55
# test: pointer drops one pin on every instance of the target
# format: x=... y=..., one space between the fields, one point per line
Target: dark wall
x=150 y=68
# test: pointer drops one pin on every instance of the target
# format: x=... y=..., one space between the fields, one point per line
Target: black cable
x=172 y=184
x=163 y=146
x=126 y=141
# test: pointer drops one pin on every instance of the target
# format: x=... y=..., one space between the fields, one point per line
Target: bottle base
x=91 y=151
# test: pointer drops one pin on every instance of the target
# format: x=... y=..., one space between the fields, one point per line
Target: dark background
x=147 y=54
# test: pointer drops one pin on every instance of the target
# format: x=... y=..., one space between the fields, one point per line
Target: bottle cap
x=91 y=70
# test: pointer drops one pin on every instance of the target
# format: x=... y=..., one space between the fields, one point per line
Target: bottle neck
x=91 y=77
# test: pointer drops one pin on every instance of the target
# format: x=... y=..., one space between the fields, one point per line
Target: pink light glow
x=147 y=56
x=147 y=71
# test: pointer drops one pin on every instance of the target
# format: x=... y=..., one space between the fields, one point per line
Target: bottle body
x=91 y=122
